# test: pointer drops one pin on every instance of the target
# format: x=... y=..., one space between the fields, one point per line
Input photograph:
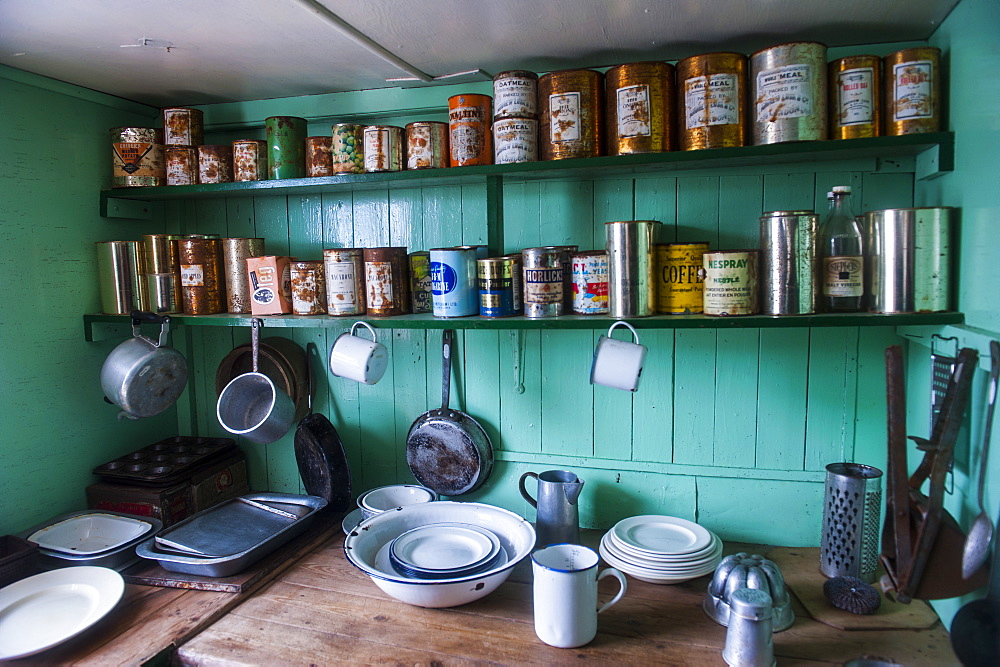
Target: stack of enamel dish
x=445 y=550
x=661 y=549
x=100 y=538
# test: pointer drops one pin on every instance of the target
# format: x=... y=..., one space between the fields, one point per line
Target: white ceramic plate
x=444 y=546
x=384 y=564
x=665 y=566
x=659 y=535
x=654 y=576
x=47 y=609
x=643 y=553
x=89 y=534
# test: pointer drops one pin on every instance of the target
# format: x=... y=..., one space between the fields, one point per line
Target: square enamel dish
x=90 y=533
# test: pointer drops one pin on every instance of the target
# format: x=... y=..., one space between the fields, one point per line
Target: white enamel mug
x=565 y=594
x=358 y=358
x=618 y=363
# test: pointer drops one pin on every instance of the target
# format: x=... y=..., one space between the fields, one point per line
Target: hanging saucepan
x=142 y=376
x=252 y=406
x=281 y=359
x=447 y=450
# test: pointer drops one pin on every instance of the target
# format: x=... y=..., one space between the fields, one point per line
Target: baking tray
x=304 y=506
x=168 y=461
x=118 y=558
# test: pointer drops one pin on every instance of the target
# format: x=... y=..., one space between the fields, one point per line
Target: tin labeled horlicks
x=590 y=283
x=543 y=282
x=496 y=287
x=454 y=289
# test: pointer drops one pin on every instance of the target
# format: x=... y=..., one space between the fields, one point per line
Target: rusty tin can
x=712 y=101
x=181 y=165
x=631 y=284
x=515 y=140
x=183 y=127
x=120 y=269
x=789 y=268
x=286 y=146
x=347 y=150
x=427 y=145
x=542 y=270
x=912 y=91
x=420 y=281
x=387 y=285
x=137 y=157
x=202 y=284
x=344 y=269
x=250 y=160
x=639 y=108
x=515 y=95
x=730 y=282
x=571 y=114
x=855 y=97
x=678 y=277
x=308 y=288
x=215 y=164
x=383 y=148
x=235 y=252
x=495 y=277
x=319 y=160
x=469 y=137
x=590 y=282
x=789 y=91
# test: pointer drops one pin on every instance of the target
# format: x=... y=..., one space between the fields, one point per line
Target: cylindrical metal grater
x=942 y=367
x=850 y=543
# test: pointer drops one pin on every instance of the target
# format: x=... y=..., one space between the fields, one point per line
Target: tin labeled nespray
x=712 y=101
x=383 y=148
x=250 y=160
x=789 y=93
x=571 y=114
x=639 y=108
x=515 y=95
x=590 y=282
x=678 y=283
x=319 y=161
x=469 y=137
x=427 y=145
x=789 y=270
x=215 y=164
x=454 y=286
x=855 y=97
x=137 y=157
x=286 y=146
x=183 y=126
x=347 y=150
x=344 y=271
x=387 y=283
x=181 y=165
x=542 y=269
x=497 y=296
x=731 y=282
x=912 y=91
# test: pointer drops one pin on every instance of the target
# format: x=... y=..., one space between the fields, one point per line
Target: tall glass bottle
x=842 y=256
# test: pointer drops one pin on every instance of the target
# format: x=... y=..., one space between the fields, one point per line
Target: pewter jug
x=558 y=519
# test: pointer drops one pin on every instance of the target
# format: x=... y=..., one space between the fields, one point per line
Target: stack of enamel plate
x=444 y=551
x=661 y=549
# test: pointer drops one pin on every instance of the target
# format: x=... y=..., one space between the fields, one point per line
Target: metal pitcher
x=558 y=519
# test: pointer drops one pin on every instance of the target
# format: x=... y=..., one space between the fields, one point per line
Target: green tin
x=286 y=139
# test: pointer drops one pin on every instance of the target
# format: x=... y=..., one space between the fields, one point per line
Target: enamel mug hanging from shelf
x=618 y=363
x=357 y=358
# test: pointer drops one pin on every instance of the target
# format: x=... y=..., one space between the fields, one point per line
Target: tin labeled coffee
x=678 y=283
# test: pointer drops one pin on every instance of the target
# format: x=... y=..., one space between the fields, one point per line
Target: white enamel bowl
x=396 y=495
x=362 y=546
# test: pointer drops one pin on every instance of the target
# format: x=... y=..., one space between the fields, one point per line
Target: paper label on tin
x=515 y=140
x=419 y=148
x=913 y=90
x=730 y=285
x=590 y=285
x=178 y=128
x=341 y=286
x=564 y=120
x=543 y=285
x=378 y=149
x=192 y=275
x=784 y=92
x=711 y=100
x=856 y=96
x=514 y=96
x=378 y=278
x=842 y=276
x=137 y=158
x=633 y=111
x=467 y=127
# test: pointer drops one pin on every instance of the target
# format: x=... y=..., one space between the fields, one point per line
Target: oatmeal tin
x=712 y=101
x=639 y=108
x=571 y=114
x=789 y=93
x=515 y=140
x=515 y=95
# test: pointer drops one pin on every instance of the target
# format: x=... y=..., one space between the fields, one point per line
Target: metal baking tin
x=250 y=160
x=344 y=269
x=571 y=114
x=712 y=101
x=497 y=297
x=215 y=164
x=234 y=258
x=590 y=282
x=420 y=281
x=383 y=148
x=319 y=161
x=789 y=268
x=387 y=285
x=181 y=165
x=118 y=558
x=137 y=157
x=469 y=138
x=542 y=269
x=308 y=288
x=630 y=267
x=678 y=284
x=120 y=269
x=202 y=285
x=789 y=91
x=515 y=139
x=855 y=97
x=639 y=108
x=515 y=95
x=286 y=146
x=731 y=282
x=427 y=145
x=183 y=126
x=347 y=151
x=912 y=91
x=454 y=288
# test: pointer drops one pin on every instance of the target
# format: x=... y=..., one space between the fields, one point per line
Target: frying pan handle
x=255 y=325
x=447 y=339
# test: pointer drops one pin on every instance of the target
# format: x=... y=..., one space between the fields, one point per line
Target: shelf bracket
x=114 y=207
x=934 y=162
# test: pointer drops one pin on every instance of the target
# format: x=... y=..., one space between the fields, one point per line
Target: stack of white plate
x=661 y=549
x=444 y=551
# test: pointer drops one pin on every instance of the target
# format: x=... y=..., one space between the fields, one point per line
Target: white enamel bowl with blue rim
x=363 y=544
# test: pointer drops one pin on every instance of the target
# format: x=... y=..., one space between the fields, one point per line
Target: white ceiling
x=234 y=50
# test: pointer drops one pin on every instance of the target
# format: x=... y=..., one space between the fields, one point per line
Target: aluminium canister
x=344 y=269
x=789 y=93
x=932 y=258
x=789 y=262
x=383 y=148
x=163 y=278
x=469 y=137
x=250 y=160
x=571 y=114
x=160 y=253
x=137 y=157
x=120 y=269
x=712 y=101
x=202 y=282
x=496 y=287
x=286 y=146
x=164 y=295
x=181 y=165
x=183 y=127
x=308 y=287
x=731 y=282
x=235 y=252
x=454 y=288
x=855 y=97
x=912 y=91
x=420 y=281
x=631 y=284
x=318 y=156
x=427 y=145
x=515 y=95
x=639 y=108
x=590 y=282
x=515 y=139
x=215 y=163
x=542 y=271
x=347 y=150
x=387 y=283
x=678 y=284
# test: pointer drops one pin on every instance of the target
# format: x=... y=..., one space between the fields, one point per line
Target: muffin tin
x=167 y=461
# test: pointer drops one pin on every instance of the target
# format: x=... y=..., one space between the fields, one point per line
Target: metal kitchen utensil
x=558 y=519
x=118 y=558
x=322 y=462
x=977 y=542
x=743 y=570
x=975 y=630
x=279 y=358
x=853 y=501
x=942 y=366
x=749 y=639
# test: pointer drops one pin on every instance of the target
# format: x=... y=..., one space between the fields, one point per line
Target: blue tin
x=497 y=294
x=454 y=289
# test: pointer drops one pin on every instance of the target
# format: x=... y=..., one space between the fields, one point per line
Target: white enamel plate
x=445 y=546
x=657 y=535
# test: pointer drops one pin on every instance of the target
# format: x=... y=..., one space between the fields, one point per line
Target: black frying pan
x=447 y=450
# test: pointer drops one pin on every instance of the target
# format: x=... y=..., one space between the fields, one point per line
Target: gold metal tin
x=427 y=145
x=120 y=269
x=789 y=93
x=344 y=270
x=235 y=252
x=215 y=164
x=678 y=284
x=319 y=161
x=571 y=114
x=387 y=283
x=347 y=150
x=731 y=282
x=181 y=165
x=137 y=157
x=712 y=94
x=855 y=97
x=470 y=140
x=308 y=288
x=912 y=91
x=202 y=286
x=383 y=148
x=639 y=108
x=250 y=160
x=183 y=127
x=515 y=95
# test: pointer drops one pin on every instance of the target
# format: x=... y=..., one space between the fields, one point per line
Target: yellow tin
x=712 y=101
x=571 y=118
x=639 y=108
x=912 y=91
x=855 y=97
x=679 y=285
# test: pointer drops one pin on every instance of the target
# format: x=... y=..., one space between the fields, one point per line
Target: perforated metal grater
x=942 y=367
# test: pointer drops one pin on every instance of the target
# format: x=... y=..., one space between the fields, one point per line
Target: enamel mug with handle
x=618 y=363
x=358 y=358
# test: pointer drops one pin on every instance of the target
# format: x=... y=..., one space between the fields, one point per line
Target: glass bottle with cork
x=842 y=256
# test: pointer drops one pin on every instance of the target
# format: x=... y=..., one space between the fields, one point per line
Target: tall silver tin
x=889 y=249
x=932 y=258
x=788 y=262
x=850 y=542
x=789 y=93
x=630 y=268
